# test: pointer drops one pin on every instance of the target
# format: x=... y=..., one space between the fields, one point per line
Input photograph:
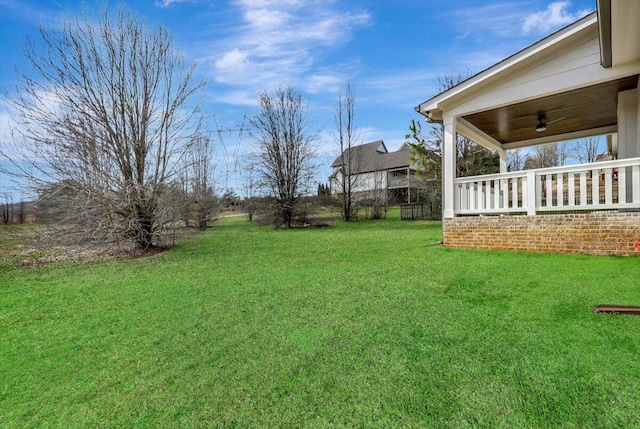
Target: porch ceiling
x=589 y=108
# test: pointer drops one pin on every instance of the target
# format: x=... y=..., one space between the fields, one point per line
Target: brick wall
x=592 y=233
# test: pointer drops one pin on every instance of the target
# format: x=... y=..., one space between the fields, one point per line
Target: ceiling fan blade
x=555 y=120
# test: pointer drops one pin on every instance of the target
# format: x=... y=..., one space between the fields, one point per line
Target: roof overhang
x=432 y=108
x=580 y=104
x=573 y=114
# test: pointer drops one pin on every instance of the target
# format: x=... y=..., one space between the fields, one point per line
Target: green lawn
x=365 y=324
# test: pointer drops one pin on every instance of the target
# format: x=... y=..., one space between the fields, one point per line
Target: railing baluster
x=559 y=190
x=595 y=187
x=608 y=186
x=538 y=187
x=504 y=190
x=472 y=196
x=622 y=185
x=548 y=191
x=464 y=204
x=487 y=194
x=583 y=188
x=635 y=180
x=533 y=192
x=571 y=191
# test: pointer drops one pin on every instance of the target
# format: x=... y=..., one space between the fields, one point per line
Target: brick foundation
x=591 y=233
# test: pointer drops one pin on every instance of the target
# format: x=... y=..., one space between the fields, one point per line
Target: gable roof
x=374 y=156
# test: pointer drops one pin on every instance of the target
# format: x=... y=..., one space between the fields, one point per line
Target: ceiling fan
x=542 y=124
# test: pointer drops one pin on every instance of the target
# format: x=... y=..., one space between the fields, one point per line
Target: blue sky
x=391 y=51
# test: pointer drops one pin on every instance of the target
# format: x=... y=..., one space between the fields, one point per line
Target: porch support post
x=629 y=130
x=503 y=160
x=629 y=124
x=448 y=167
x=531 y=193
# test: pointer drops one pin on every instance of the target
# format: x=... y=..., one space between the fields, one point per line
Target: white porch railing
x=601 y=185
x=397 y=182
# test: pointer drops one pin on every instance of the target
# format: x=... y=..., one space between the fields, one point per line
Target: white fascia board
x=432 y=108
x=604 y=29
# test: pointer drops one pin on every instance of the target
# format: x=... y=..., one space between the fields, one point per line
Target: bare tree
x=201 y=169
x=546 y=155
x=107 y=116
x=5 y=211
x=250 y=202
x=588 y=150
x=380 y=197
x=346 y=137
x=284 y=143
x=515 y=159
x=564 y=152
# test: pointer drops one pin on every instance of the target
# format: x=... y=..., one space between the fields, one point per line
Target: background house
x=378 y=173
x=579 y=82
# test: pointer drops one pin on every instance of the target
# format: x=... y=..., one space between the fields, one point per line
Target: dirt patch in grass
x=33 y=257
x=26 y=253
x=309 y=223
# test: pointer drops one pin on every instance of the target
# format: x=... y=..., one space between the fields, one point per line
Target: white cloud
x=282 y=41
x=265 y=19
x=168 y=3
x=237 y=97
x=501 y=19
x=401 y=89
x=232 y=65
x=33 y=14
x=512 y=19
x=324 y=83
x=556 y=15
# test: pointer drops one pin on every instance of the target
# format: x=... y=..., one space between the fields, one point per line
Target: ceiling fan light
x=541 y=125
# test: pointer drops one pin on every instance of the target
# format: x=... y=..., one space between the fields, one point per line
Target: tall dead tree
x=106 y=114
x=542 y=156
x=249 y=203
x=588 y=150
x=284 y=150
x=349 y=160
x=516 y=159
x=5 y=212
x=201 y=173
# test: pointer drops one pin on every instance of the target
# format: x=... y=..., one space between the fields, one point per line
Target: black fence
x=419 y=211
